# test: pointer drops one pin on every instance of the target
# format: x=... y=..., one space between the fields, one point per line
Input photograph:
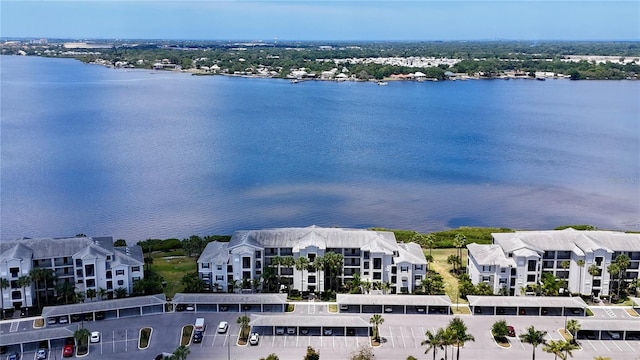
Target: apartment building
x=86 y=262
x=516 y=260
x=375 y=255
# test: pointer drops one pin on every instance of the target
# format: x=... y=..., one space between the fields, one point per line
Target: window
x=204 y=265
x=419 y=267
x=531 y=278
x=597 y=283
x=599 y=260
x=417 y=277
x=79 y=273
x=246 y=262
x=14 y=271
x=219 y=267
x=503 y=270
x=109 y=285
x=286 y=251
x=229 y=268
x=394 y=279
x=402 y=268
x=135 y=278
x=377 y=263
x=486 y=279
x=119 y=272
x=366 y=264
x=486 y=268
x=135 y=268
x=258 y=254
x=312 y=257
x=109 y=274
x=377 y=275
x=120 y=282
x=79 y=262
x=531 y=265
x=91 y=283
x=16 y=295
x=80 y=281
x=311 y=279
x=366 y=255
x=219 y=277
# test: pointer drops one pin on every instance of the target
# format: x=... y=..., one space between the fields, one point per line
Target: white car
x=254 y=339
x=41 y=354
x=614 y=335
x=223 y=327
x=280 y=330
x=95 y=337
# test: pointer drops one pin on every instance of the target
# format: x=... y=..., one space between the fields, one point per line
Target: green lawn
x=172 y=266
x=440 y=266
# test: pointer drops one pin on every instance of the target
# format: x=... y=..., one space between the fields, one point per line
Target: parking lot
x=401 y=335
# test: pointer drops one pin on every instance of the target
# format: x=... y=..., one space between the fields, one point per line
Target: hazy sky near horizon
x=322 y=20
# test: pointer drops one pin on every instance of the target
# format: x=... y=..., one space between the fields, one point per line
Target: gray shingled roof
x=416 y=300
x=526 y=301
x=183 y=298
x=568 y=240
x=128 y=255
x=309 y=320
x=104 y=305
x=37 y=335
x=609 y=324
x=322 y=237
x=16 y=251
x=410 y=252
x=489 y=255
x=215 y=252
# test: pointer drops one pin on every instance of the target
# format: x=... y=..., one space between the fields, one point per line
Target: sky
x=322 y=20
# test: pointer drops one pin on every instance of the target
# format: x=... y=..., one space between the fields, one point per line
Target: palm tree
x=385 y=287
x=533 y=337
x=23 y=282
x=120 y=292
x=459 y=329
x=232 y=285
x=573 y=326
x=243 y=321
x=65 y=291
x=593 y=270
x=376 y=320
x=459 y=241
x=181 y=353
x=433 y=342
x=580 y=264
x=567 y=347
x=302 y=262
x=366 y=286
x=82 y=337
x=554 y=347
x=102 y=292
x=255 y=283
x=448 y=338
x=318 y=265
x=619 y=265
x=4 y=283
x=91 y=293
x=37 y=275
x=49 y=275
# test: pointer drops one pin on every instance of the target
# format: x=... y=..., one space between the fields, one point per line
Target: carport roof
x=307 y=321
x=610 y=325
x=36 y=335
x=104 y=305
x=526 y=301
x=182 y=298
x=430 y=300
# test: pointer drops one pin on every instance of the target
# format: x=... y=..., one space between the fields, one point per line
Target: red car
x=511 y=331
x=67 y=351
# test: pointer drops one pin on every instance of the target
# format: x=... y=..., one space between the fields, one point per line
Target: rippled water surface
x=139 y=154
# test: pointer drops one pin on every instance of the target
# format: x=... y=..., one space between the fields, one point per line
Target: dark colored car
x=511 y=331
x=197 y=336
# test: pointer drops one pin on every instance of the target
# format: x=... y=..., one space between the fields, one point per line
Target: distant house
x=518 y=260
x=374 y=255
x=86 y=262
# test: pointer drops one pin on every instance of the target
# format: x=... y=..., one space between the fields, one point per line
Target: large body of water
x=140 y=154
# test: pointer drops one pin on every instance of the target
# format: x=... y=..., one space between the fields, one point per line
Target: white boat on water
x=383 y=83
x=294 y=81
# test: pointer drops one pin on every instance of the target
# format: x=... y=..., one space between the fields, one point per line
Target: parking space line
x=616 y=344
x=402 y=337
x=605 y=346
x=630 y=347
x=593 y=346
x=520 y=342
x=414 y=337
x=113 y=341
x=393 y=343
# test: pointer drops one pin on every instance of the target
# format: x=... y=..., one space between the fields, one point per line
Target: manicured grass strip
x=145 y=338
x=291 y=307
x=185 y=339
x=38 y=323
x=333 y=308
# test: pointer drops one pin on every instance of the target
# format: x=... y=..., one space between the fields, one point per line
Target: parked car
x=41 y=354
x=224 y=308
x=100 y=315
x=68 y=350
x=344 y=307
x=254 y=339
x=291 y=331
x=511 y=331
x=420 y=309
x=279 y=330
x=52 y=321
x=388 y=309
x=328 y=331
x=95 y=337
x=304 y=331
x=14 y=356
x=63 y=320
x=223 y=327
x=190 y=307
x=197 y=336
x=614 y=335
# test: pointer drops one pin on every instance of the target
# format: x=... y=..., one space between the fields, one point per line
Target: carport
x=527 y=305
x=635 y=303
x=30 y=340
x=232 y=302
x=108 y=309
x=396 y=304
x=594 y=329
x=316 y=325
